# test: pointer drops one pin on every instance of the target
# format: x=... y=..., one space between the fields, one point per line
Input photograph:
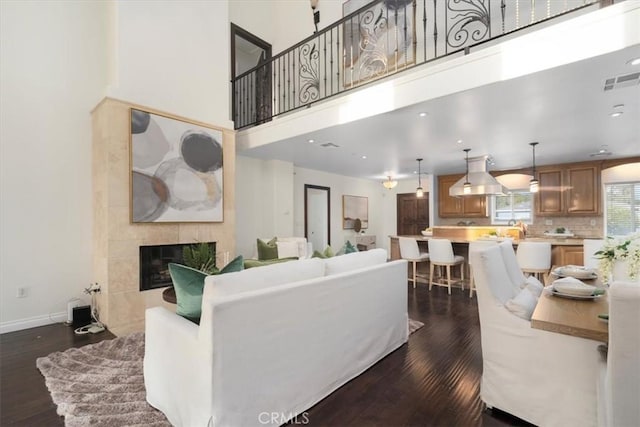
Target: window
x=516 y=206
x=623 y=208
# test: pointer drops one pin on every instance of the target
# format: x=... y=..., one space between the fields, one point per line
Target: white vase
x=620 y=272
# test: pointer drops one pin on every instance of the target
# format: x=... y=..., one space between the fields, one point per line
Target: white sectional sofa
x=275 y=340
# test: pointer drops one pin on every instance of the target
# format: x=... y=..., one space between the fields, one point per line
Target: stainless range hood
x=482 y=183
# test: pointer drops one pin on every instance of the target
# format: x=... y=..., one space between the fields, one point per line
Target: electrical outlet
x=593 y=223
x=21 y=293
x=548 y=222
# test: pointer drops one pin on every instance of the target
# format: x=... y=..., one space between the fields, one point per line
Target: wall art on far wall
x=355 y=208
x=176 y=170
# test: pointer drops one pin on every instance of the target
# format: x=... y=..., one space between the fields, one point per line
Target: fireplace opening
x=154 y=264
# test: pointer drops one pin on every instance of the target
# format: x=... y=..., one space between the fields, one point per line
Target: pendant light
x=534 y=184
x=419 y=191
x=389 y=183
x=467 y=185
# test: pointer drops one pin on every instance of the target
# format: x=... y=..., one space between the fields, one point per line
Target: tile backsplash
x=580 y=226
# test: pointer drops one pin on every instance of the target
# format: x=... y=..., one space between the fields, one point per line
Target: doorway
x=412 y=214
x=251 y=93
x=317 y=216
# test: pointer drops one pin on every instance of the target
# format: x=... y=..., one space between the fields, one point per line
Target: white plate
x=585 y=273
x=571 y=296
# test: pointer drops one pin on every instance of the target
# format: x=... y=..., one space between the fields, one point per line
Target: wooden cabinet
x=572 y=190
x=549 y=199
x=458 y=207
x=567 y=255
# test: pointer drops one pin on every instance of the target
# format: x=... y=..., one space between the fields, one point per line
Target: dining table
x=572 y=316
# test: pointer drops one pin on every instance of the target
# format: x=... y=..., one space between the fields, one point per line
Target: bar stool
x=476 y=246
x=410 y=251
x=441 y=255
x=534 y=258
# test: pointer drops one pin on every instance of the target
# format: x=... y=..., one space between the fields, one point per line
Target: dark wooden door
x=413 y=214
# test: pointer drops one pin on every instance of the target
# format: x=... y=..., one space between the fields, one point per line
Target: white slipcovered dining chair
x=410 y=251
x=542 y=377
x=589 y=248
x=535 y=258
x=474 y=247
x=441 y=255
x=619 y=382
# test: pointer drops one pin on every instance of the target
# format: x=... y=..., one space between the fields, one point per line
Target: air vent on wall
x=329 y=144
x=625 y=80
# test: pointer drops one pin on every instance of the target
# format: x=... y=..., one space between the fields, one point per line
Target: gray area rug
x=103 y=385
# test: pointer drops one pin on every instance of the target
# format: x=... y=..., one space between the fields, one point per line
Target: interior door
x=317 y=220
x=412 y=213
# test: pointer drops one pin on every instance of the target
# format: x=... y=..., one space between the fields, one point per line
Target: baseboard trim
x=32 y=322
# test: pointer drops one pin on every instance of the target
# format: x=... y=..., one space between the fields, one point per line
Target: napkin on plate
x=573 y=286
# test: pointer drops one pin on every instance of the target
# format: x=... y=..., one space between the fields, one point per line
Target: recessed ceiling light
x=634 y=61
x=364 y=157
x=311 y=141
x=618 y=106
x=616 y=114
x=423 y=114
x=459 y=141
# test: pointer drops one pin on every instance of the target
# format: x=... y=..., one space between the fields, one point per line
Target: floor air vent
x=625 y=80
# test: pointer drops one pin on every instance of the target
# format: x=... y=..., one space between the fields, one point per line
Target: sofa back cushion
x=354 y=261
x=262 y=277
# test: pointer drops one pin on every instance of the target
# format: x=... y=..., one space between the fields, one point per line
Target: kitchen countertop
x=568 y=241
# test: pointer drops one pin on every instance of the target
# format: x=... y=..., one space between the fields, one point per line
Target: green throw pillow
x=251 y=263
x=267 y=250
x=188 y=284
x=349 y=248
x=328 y=253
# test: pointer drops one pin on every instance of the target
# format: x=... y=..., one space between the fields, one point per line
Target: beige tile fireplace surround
x=116 y=240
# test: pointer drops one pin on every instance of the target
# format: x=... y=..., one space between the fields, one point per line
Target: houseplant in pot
x=620 y=258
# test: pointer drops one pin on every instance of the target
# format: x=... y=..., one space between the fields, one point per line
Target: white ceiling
x=565 y=109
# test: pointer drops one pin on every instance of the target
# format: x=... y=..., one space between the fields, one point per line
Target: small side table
x=169 y=295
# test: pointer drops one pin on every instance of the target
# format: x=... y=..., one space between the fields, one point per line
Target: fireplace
x=154 y=264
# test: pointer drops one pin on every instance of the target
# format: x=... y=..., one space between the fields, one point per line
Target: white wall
x=174 y=56
x=264 y=202
x=623 y=173
x=53 y=71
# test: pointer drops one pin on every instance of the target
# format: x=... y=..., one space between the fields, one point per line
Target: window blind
x=623 y=208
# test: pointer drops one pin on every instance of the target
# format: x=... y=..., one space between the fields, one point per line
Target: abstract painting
x=355 y=208
x=378 y=40
x=176 y=170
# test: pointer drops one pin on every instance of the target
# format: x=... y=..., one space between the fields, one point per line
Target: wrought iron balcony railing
x=381 y=39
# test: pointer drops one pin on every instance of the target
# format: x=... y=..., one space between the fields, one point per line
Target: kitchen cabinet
x=458 y=207
x=567 y=255
x=573 y=190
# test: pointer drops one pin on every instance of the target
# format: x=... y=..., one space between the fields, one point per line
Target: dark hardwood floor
x=433 y=380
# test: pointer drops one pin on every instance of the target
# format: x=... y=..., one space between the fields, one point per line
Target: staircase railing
x=380 y=39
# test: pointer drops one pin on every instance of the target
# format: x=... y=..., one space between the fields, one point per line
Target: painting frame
x=374 y=38
x=176 y=169
x=355 y=208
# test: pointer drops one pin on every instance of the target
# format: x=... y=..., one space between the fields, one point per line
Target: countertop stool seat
x=410 y=251
x=441 y=255
x=534 y=258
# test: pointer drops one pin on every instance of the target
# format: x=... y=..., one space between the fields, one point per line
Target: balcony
x=382 y=39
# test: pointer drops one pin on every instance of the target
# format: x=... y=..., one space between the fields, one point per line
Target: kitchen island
x=564 y=251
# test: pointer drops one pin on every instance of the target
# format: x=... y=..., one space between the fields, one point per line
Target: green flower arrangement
x=620 y=250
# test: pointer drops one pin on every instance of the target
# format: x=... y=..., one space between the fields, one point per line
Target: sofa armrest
x=175 y=361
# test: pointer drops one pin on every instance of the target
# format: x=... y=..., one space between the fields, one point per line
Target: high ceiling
x=565 y=109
